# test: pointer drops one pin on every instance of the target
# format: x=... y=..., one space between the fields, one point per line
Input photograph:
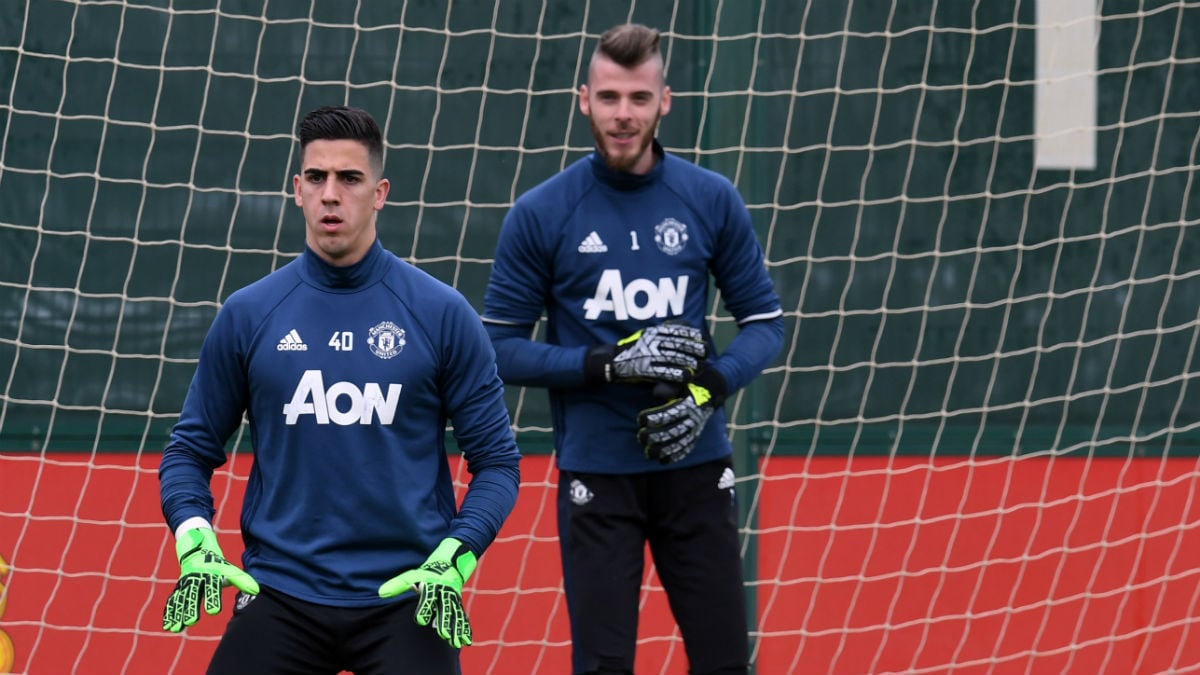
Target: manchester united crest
x=386 y=340
x=580 y=494
x=671 y=236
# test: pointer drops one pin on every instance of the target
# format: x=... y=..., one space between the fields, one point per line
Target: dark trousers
x=277 y=634
x=689 y=518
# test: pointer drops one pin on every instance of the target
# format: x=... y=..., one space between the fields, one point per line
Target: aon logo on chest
x=342 y=402
x=638 y=299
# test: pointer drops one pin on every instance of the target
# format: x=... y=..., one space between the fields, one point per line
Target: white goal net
x=977 y=452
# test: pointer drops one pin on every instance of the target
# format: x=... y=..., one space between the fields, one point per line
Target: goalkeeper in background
x=348 y=363
x=618 y=249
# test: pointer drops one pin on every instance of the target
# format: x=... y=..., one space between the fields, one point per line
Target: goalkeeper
x=348 y=363
x=618 y=249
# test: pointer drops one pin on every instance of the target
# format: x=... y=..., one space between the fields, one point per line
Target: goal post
x=976 y=453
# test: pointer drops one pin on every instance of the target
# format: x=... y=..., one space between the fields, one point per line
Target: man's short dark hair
x=629 y=45
x=338 y=123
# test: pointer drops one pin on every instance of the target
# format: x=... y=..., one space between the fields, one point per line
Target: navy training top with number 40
x=348 y=376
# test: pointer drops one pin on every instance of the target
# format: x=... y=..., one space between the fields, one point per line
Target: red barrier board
x=868 y=565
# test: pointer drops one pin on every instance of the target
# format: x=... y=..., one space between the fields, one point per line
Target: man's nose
x=624 y=109
x=329 y=192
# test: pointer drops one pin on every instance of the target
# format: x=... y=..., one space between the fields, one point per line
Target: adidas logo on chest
x=291 y=343
x=592 y=244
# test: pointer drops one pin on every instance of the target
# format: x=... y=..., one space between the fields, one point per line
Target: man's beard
x=625 y=163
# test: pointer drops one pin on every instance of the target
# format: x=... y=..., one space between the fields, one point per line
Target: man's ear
x=381 y=192
x=584 y=105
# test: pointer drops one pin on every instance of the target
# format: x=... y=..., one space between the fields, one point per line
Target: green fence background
x=941 y=295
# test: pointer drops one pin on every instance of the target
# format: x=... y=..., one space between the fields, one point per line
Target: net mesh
x=977 y=451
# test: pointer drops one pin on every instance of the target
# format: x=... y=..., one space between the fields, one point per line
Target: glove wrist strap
x=458 y=554
x=711 y=379
x=193 y=540
x=597 y=364
x=464 y=561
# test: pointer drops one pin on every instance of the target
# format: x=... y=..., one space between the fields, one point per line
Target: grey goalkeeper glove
x=203 y=571
x=669 y=352
x=669 y=431
x=440 y=581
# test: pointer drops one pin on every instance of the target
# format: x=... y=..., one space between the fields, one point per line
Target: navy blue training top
x=348 y=376
x=606 y=253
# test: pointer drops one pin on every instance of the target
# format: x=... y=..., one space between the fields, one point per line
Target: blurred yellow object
x=3 y=598
x=7 y=654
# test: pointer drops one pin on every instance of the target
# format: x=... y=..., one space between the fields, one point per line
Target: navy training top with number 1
x=607 y=253
x=348 y=376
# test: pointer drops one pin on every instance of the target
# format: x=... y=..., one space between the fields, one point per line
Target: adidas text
x=592 y=244
x=291 y=343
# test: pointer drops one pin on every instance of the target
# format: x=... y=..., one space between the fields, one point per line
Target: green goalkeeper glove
x=669 y=431
x=668 y=352
x=203 y=571
x=440 y=581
